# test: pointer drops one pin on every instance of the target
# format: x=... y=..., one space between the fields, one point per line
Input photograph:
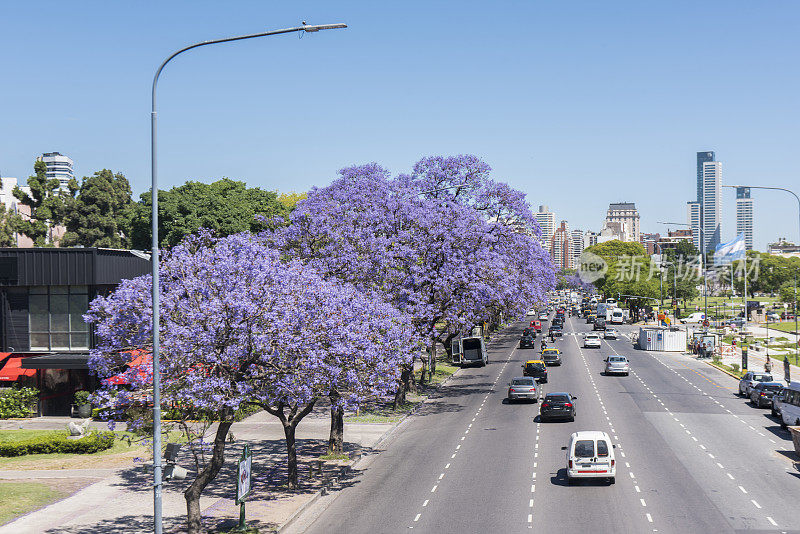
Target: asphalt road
x=691 y=455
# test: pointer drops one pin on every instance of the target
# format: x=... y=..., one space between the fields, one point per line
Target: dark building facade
x=44 y=293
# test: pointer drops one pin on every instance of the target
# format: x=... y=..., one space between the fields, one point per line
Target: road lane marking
x=774 y=524
x=743 y=490
x=755 y=503
x=417 y=518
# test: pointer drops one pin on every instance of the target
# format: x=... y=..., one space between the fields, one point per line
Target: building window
x=55 y=317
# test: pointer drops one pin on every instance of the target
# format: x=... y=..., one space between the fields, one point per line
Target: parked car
x=772 y=316
x=599 y=324
x=523 y=387
x=531 y=313
x=750 y=379
x=617 y=365
x=536 y=369
x=557 y=406
x=761 y=394
x=775 y=403
x=790 y=405
x=787 y=316
x=696 y=317
x=591 y=340
x=527 y=342
x=610 y=333
x=590 y=454
x=551 y=356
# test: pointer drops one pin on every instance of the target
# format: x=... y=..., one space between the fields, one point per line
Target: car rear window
x=522 y=382
x=773 y=388
x=762 y=378
x=556 y=398
x=602 y=447
x=536 y=366
x=584 y=448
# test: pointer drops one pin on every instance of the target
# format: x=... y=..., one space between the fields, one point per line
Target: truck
x=469 y=351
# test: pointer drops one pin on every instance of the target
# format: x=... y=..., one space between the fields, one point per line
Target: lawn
x=18 y=498
x=788 y=326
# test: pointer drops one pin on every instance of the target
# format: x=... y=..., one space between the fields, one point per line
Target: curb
x=723 y=370
x=360 y=456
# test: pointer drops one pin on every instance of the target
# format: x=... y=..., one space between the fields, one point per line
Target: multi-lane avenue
x=691 y=455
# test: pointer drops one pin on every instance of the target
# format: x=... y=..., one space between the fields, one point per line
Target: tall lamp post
x=157 y=468
x=702 y=263
x=797 y=198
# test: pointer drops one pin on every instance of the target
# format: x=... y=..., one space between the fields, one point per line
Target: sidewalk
x=121 y=500
x=756 y=360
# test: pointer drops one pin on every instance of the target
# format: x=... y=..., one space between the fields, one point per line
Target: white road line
x=441 y=476
x=417 y=518
x=425 y=503
x=531 y=503
x=642 y=501
x=730 y=476
x=743 y=490
x=447 y=466
x=774 y=524
x=434 y=488
x=755 y=504
x=649 y=518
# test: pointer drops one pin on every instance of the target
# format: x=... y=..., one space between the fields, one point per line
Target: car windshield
x=762 y=378
x=584 y=448
x=522 y=382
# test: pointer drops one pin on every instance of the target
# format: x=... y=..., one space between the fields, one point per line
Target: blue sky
x=577 y=103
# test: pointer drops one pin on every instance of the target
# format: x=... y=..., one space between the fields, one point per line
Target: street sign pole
x=243 y=486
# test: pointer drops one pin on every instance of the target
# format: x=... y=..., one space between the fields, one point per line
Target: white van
x=789 y=405
x=590 y=454
x=469 y=351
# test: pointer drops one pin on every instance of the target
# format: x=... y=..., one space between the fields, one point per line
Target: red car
x=537 y=325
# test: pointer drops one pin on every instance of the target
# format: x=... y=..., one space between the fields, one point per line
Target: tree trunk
x=289 y=428
x=405 y=384
x=424 y=360
x=336 y=439
x=432 y=370
x=203 y=478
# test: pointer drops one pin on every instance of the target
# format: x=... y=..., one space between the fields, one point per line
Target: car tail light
x=612 y=463
x=570 y=464
x=545 y=405
x=568 y=405
x=511 y=390
x=762 y=394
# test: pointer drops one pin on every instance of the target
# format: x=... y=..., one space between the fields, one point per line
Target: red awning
x=10 y=367
x=140 y=359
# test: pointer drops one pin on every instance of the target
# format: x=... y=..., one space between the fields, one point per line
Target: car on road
x=523 y=387
x=551 y=356
x=555 y=330
x=750 y=379
x=599 y=324
x=697 y=317
x=536 y=369
x=529 y=332
x=531 y=313
x=775 y=403
x=590 y=318
x=772 y=316
x=618 y=365
x=536 y=325
x=527 y=341
x=543 y=316
x=557 y=406
x=590 y=454
x=790 y=405
x=591 y=340
x=610 y=333
x=761 y=394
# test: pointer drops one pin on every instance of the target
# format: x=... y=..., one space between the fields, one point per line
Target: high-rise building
x=590 y=239
x=702 y=157
x=626 y=214
x=693 y=218
x=744 y=215
x=59 y=166
x=576 y=247
x=547 y=223
x=711 y=204
x=651 y=243
x=560 y=247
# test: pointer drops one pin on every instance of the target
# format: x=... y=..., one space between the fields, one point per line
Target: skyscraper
x=590 y=239
x=59 y=166
x=711 y=204
x=576 y=247
x=693 y=218
x=547 y=223
x=744 y=215
x=560 y=247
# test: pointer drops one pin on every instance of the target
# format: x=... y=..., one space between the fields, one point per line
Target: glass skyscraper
x=744 y=215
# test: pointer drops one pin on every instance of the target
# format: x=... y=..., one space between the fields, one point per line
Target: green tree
x=787 y=293
x=99 y=215
x=7 y=234
x=681 y=271
x=225 y=206
x=46 y=203
x=630 y=272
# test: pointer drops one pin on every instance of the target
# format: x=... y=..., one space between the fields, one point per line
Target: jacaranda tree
x=239 y=327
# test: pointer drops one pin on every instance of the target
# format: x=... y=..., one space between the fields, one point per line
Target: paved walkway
x=122 y=499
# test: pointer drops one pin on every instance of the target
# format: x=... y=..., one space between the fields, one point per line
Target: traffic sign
x=243 y=487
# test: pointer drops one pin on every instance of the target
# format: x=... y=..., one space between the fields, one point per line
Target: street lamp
x=797 y=198
x=702 y=263
x=157 y=483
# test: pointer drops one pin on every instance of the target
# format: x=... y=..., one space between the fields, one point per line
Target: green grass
x=334 y=457
x=728 y=368
x=383 y=413
x=782 y=327
x=7 y=436
x=18 y=498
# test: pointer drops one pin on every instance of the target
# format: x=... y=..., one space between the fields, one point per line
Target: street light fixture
x=797 y=198
x=702 y=264
x=157 y=466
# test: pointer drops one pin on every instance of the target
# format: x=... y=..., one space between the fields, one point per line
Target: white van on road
x=789 y=405
x=590 y=454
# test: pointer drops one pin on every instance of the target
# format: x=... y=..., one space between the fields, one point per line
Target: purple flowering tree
x=241 y=327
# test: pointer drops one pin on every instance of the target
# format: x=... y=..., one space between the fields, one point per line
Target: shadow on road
x=141 y=524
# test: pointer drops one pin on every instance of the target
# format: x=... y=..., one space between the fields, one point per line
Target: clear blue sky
x=579 y=104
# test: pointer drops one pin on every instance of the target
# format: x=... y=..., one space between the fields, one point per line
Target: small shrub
x=735 y=367
x=82 y=397
x=59 y=442
x=17 y=402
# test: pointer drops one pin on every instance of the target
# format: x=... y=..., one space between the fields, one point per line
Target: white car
x=590 y=454
x=696 y=317
x=591 y=340
x=610 y=333
x=531 y=313
x=617 y=365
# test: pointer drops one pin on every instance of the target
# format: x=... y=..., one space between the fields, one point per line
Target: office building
x=560 y=247
x=576 y=247
x=626 y=214
x=711 y=204
x=59 y=167
x=784 y=248
x=744 y=216
x=590 y=239
x=651 y=243
x=693 y=219
x=547 y=224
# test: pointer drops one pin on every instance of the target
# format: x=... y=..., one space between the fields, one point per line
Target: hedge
x=59 y=442
x=17 y=402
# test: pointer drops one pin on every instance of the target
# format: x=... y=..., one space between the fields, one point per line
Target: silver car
x=610 y=333
x=523 y=387
x=750 y=379
x=618 y=365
